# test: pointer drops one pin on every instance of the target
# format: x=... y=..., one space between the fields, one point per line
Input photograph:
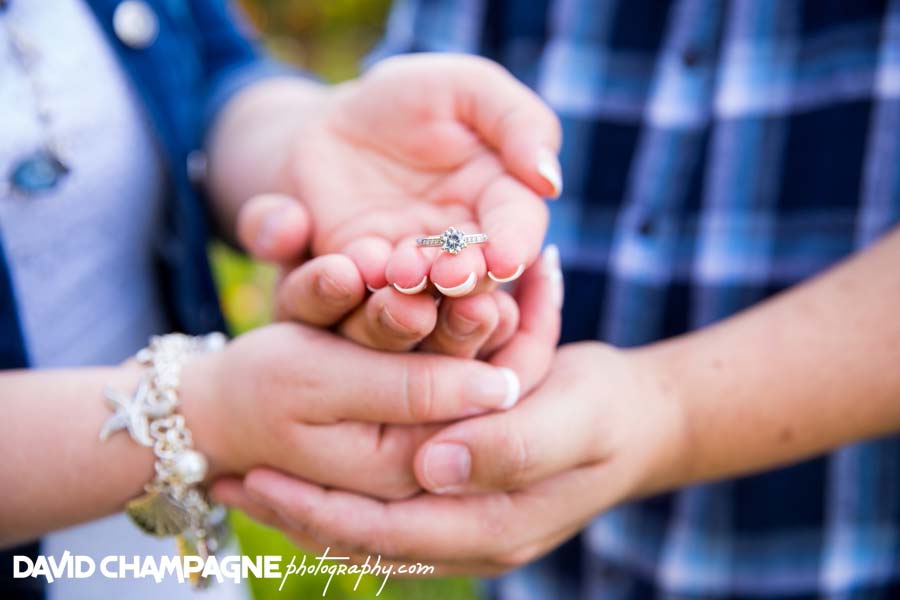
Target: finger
x=464 y=324
x=515 y=220
x=366 y=458
x=391 y=321
x=320 y=292
x=539 y=296
x=370 y=254
x=457 y=275
x=274 y=227
x=349 y=382
x=230 y=492
x=412 y=217
x=514 y=120
x=507 y=451
x=474 y=535
x=494 y=528
x=408 y=267
x=452 y=528
x=507 y=324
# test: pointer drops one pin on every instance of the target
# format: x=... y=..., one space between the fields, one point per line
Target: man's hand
x=318 y=406
x=507 y=487
x=804 y=372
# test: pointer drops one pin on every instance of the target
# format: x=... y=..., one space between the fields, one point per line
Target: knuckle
x=391 y=474
x=494 y=521
x=506 y=123
x=514 y=459
x=420 y=390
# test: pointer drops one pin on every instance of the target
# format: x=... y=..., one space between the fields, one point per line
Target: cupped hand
x=518 y=329
x=418 y=144
x=506 y=488
x=321 y=407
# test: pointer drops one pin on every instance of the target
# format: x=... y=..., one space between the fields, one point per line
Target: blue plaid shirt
x=715 y=153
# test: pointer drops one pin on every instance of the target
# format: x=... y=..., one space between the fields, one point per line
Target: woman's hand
x=417 y=144
x=316 y=405
x=507 y=487
x=328 y=291
x=326 y=409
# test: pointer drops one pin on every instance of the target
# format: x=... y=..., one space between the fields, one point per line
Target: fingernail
x=329 y=289
x=548 y=168
x=447 y=466
x=512 y=277
x=388 y=321
x=411 y=291
x=459 y=290
x=550 y=267
x=268 y=232
x=492 y=389
x=459 y=326
x=373 y=289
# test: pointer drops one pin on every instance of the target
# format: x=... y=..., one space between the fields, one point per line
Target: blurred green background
x=328 y=37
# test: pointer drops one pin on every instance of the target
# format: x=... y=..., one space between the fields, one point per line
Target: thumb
x=506 y=451
x=274 y=228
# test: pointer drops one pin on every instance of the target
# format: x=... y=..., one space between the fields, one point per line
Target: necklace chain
x=42 y=169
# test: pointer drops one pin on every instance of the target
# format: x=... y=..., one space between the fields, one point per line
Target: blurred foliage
x=328 y=37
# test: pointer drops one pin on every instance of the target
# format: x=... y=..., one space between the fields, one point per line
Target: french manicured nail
x=447 y=466
x=373 y=289
x=412 y=291
x=492 y=389
x=513 y=277
x=268 y=232
x=551 y=269
x=459 y=290
x=548 y=168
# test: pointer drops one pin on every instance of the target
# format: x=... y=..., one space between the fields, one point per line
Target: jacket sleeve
x=229 y=59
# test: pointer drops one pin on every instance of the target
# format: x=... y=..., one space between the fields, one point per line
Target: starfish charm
x=129 y=413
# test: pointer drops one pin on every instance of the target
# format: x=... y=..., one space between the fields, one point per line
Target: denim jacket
x=196 y=60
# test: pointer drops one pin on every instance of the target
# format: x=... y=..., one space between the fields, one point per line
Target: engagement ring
x=453 y=240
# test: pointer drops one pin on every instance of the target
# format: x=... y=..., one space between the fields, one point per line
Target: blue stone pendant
x=37 y=172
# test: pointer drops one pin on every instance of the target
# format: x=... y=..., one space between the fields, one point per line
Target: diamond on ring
x=453 y=241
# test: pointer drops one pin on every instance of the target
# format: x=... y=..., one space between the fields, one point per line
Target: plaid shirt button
x=691 y=57
x=646 y=227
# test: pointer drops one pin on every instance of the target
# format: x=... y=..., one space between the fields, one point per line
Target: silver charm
x=129 y=414
x=174 y=503
x=157 y=513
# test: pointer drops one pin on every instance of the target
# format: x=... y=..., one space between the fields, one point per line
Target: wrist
x=663 y=404
x=202 y=404
x=252 y=139
x=255 y=131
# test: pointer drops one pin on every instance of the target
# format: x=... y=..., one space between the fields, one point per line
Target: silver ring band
x=452 y=240
x=435 y=240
